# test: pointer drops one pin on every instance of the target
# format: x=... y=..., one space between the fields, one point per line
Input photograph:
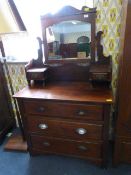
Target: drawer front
x=68 y=110
x=82 y=149
x=63 y=128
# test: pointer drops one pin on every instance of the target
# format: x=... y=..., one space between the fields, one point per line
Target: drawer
x=81 y=149
x=63 y=128
x=68 y=110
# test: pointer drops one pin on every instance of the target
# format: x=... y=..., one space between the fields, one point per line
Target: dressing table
x=62 y=111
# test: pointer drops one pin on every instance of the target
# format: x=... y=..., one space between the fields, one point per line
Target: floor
x=16 y=163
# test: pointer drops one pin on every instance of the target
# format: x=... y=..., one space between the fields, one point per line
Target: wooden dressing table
x=68 y=115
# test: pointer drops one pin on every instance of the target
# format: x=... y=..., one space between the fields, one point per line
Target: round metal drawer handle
x=81 y=131
x=46 y=143
x=81 y=113
x=43 y=126
x=82 y=148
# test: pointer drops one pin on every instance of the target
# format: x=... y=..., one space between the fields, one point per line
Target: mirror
x=69 y=35
x=69 y=40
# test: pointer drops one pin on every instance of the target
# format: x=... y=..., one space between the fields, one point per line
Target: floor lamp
x=8 y=25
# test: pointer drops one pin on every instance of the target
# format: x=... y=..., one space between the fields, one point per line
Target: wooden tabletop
x=67 y=91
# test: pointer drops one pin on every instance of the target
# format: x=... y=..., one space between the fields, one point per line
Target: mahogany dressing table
x=68 y=114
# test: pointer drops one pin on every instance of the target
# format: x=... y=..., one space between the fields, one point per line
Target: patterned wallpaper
x=17 y=74
x=18 y=80
x=109 y=13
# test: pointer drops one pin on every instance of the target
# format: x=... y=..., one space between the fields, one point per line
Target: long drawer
x=63 y=128
x=81 y=149
x=67 y=110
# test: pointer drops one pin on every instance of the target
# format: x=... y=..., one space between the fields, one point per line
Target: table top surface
x=67 y=91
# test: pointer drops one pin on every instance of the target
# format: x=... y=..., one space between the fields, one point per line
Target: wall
x=18 y=80
x=17 y=74
x=72 y=37
x=109 y=13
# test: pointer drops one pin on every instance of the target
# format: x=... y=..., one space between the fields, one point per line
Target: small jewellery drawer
x=64 y=129
x=68 y=110
x=81 y=149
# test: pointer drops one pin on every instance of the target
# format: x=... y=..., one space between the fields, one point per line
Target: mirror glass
x=69 y=40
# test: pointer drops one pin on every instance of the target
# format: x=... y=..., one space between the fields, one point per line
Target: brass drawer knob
x=43 y=126
x=82 y=148
x=81 y=131
x=46 y=144
x=41 y=109
x=81 y=113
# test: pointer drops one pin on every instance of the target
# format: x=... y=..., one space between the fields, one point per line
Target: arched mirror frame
x=67 y=13
x=98 y=68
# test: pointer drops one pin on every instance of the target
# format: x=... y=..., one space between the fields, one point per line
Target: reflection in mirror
x=69 y=40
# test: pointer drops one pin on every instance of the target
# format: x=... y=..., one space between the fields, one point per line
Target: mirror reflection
x=69 y=40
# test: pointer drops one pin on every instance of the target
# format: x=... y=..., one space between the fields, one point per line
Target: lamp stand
x=17 y=141
x=2 y=48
